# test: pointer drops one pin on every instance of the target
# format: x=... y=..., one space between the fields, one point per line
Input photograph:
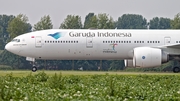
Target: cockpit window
x=15 y=40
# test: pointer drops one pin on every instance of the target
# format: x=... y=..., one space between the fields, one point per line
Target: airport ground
x=23 y=73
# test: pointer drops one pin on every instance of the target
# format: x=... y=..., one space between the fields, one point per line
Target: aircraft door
x=38 y=41
x=89 y=42
x=167 y=40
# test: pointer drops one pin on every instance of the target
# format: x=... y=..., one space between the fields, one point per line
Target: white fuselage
x=91 y=44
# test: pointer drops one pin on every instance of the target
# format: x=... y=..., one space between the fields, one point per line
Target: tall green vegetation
x=44 y=23
x=175 y=23
x=4 y=35
x=41 y=87
x=19 y=25
x=160 y=23
x=100 y=21
x=71 y=22
x=131 y=21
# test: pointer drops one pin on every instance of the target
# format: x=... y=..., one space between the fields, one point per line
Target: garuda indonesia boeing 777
x=139 y=48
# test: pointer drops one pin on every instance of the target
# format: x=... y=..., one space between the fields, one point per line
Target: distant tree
x=100 y=21
x=127 y=21
x=4 y=35
x=44 y=23
x=160 y=23
x=19 y=25
x=116 y=65
x=175 y=23
x=88 y=21
x=71 y=22
x=94 y=22
x=16 y=62
x=105 y=22
x=131 y=21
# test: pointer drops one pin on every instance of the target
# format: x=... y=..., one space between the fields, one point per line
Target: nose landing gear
x=34 y=68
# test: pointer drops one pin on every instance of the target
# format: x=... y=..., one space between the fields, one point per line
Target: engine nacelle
x=149 y=57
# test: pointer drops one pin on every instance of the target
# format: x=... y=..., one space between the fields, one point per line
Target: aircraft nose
x=13 y=49
x=8 y=47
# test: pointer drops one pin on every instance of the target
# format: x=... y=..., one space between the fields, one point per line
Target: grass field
x=24 y=73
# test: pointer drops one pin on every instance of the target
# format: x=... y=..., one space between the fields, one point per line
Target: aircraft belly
x=80 y=52
x=65 y=53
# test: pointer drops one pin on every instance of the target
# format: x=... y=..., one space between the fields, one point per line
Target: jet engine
x=147 y=57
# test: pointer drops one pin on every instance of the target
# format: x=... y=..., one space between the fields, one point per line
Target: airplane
x=138 y=48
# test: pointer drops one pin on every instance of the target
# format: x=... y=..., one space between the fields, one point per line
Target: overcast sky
x=59 y=9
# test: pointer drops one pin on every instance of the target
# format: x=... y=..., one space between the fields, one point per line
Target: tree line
x=12 y=26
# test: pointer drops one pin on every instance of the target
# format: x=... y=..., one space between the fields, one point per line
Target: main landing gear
x=176 y=69
x=176 y=66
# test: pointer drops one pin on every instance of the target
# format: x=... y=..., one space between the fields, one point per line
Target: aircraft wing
x=175 y=46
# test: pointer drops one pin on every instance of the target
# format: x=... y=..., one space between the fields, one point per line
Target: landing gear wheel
x=176 y=69
x=34 y=68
